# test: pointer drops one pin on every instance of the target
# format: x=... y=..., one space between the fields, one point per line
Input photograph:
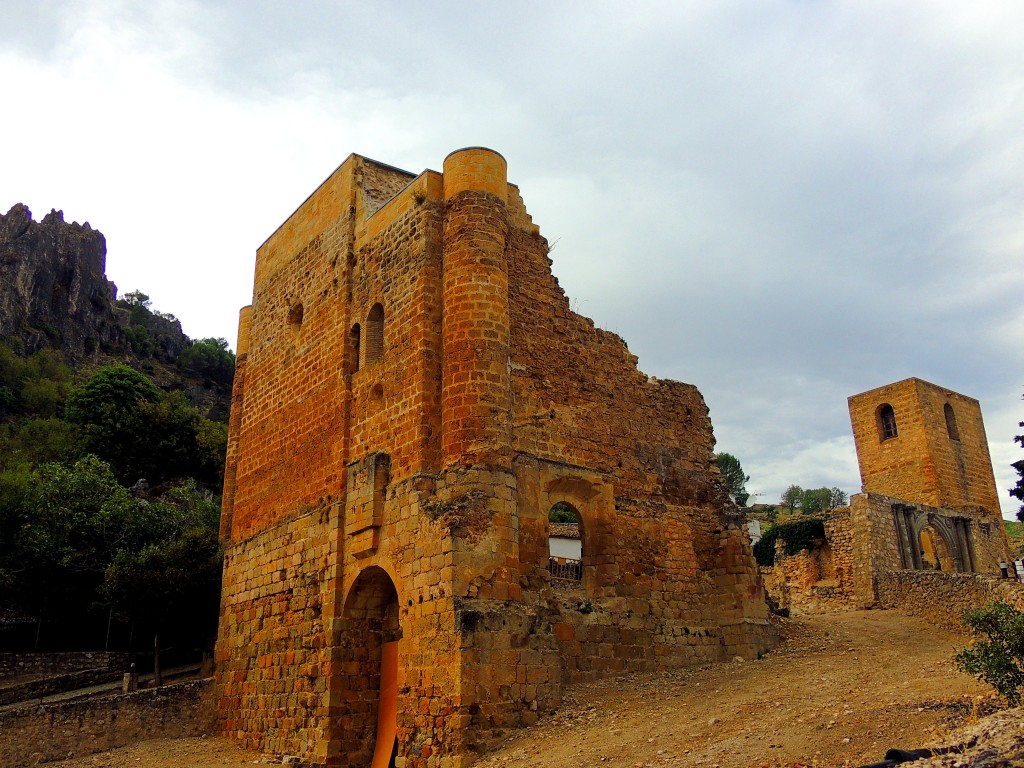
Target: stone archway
x=368 y=663
x=928 y=539
x=935 y=551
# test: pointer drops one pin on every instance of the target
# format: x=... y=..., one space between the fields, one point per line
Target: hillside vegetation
x=113 y=430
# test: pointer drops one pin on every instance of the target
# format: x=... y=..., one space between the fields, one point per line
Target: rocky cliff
x=54 y=292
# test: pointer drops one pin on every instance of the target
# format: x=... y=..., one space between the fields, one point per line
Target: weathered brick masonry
x=412 y=397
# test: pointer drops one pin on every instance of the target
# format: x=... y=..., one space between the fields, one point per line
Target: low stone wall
x=37 y=734
x=45 y=664
x=943 y=597
x=36 y=689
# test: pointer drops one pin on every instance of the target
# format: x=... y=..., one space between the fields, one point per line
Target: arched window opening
x=951 y=428
x=375 y=334
x=935 y=554
x=886 y=422
x=565 y=544
x=353 y=343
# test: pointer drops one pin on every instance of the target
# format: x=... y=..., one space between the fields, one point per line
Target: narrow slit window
x=354 y=338
x=375 y=334
x=951 y=428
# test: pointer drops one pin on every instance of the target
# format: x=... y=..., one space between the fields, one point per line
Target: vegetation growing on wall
x=798 y=536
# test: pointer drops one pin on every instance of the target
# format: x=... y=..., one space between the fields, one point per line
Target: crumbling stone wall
x=819 y=579
x=866 y=542
x=412 y=397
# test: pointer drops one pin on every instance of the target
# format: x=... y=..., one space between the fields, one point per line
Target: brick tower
x=412 y=397
x=929 y=495
x=923 y=443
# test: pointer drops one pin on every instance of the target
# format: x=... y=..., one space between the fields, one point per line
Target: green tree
x=733 y=476
x=212 y=439
x=114 y=408
x=63 y=526
x=14 y=490
x=1017 y=491
x=815 y=501
x=136 y=299
x=210 y=360
x=143 y=432
x=174 y=579
x=40 y=441
x=35 y=386
x=562 y=513
x=792 y=497
x=838 y=498
x=998 y=657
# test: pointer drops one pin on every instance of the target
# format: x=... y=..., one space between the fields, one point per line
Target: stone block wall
x=70 y=681
x=35 y=734
x=939 y=456
x=43 y=664
x=942 y=598
x=275 y=612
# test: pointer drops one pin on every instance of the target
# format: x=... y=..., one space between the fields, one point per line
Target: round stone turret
x=476 y=395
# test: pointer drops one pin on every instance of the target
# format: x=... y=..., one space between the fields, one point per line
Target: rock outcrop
x=54 y=291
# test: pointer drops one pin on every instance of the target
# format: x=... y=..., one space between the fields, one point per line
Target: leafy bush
x=562 y=513
x=998 y=659
x=211 y=360
x=798 y=535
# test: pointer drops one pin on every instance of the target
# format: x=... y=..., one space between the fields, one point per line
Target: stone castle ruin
x=928 y=504
x=413 y=395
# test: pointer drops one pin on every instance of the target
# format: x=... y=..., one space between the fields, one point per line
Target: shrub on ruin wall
x=998 y=655
x=798 y=535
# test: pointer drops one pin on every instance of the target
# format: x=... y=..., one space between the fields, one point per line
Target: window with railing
x=565 y=543
x=565 y=569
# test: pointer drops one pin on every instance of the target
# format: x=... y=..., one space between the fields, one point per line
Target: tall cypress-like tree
x=1018 y=491
x=733 y=476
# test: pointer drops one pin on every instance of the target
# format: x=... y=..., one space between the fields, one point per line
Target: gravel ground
x=839 y=691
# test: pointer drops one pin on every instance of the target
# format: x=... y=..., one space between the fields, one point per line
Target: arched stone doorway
x=369 y=662
x=935 y=552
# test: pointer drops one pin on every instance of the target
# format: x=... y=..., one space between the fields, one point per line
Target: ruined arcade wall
x=655 y=538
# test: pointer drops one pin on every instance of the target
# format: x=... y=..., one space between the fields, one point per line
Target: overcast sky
x=782 y=202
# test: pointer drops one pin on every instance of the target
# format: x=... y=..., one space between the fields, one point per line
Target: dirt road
x=839 y=691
